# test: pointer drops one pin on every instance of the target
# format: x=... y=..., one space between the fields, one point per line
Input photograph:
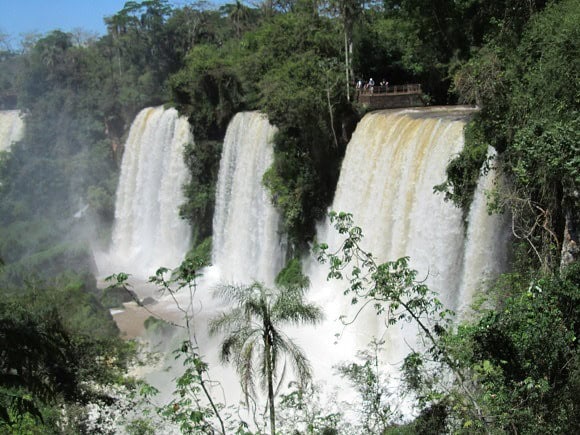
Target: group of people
x=370 y=85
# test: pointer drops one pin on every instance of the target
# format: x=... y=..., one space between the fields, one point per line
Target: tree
x=193 y=407
x=525 y=355
x=350 y=11
x=254 y=335
x=37 y=363
x=377 y=412
x=238 y=14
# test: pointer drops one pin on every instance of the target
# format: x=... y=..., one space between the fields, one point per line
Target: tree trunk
x=347 y=64
x=269 y=375
x=571 y=243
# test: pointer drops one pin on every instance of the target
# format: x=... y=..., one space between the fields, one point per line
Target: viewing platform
x=390 y=97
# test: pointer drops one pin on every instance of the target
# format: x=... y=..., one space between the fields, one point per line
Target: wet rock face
x=148 y=301
x=570 y=244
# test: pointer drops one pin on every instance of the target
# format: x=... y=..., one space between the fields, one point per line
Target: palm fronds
x=253 y=340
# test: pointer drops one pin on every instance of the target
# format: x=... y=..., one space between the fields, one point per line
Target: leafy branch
x=194 y=383
x=393 y=290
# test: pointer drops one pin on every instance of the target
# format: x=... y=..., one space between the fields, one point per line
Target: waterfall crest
x=247 y=245
x=11 y=128
x=391 y=165
x=148 y=232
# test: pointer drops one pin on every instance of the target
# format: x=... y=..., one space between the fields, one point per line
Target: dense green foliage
x=514 y=367
x=525 y=354
x=527 y=79
x=291 y=275
x=202 y=252
x=202 y=159
x=464 y=170
x=57 y=347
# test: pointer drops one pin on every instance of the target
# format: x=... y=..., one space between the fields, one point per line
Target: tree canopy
x=296 y=61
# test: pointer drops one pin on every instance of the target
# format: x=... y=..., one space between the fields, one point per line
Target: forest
x=514 y=367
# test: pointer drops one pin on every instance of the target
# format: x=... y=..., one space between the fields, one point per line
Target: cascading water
x=392 y=163
x=485 y=254
x=247 y=244
x=11 y=128
x=148 y=232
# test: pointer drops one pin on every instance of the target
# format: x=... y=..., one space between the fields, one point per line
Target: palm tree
x=238 y=14
x=253 y=335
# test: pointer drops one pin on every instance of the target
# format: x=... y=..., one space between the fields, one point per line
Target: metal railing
x=390 y=90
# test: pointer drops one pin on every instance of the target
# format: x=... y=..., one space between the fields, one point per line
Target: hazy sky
x=24 y=16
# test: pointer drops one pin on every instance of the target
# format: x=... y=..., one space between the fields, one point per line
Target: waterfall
x=392 y=163
x=147 y=231
x=247 y=245
x=11 y=128
x=485 y=254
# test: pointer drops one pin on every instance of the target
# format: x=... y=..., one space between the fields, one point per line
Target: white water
x=11 y=128
x=391 y=165
x=247 y=243
x=247 y=246
x=148 y=232
x=485 y=247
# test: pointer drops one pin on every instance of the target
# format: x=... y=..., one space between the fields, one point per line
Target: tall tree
x=349 y=12
x=254 y=335
x=237 y=13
